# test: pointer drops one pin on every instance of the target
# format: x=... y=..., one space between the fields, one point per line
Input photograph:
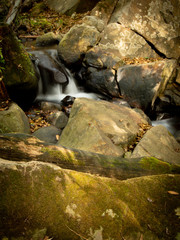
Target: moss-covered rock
x=72 y=205
x=19 y=74
x=14 y=120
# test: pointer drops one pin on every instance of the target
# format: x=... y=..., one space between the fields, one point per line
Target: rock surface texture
x=101 y=127
x=156 y=21
x=68 y=204
x=14 y=120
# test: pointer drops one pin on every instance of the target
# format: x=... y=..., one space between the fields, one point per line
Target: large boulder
x=101 y=127
x=14 y=120
x=156 y=21
x=38 y=197
x=159 y=143
x=77 y=42
x=19 y=73
x=123 y=42
x=142 y=84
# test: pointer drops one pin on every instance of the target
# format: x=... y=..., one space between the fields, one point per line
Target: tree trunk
x=18 y=147
x=3 y=92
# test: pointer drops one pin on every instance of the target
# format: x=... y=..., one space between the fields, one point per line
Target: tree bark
x=18 y=147
x=13 y=11
x=3 y=92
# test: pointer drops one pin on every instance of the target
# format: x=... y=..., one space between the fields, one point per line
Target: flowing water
x=56 y=82
x=52 y=73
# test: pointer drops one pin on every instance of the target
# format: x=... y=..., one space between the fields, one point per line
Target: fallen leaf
x=173 y=193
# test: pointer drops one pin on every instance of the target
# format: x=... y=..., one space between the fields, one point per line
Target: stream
x=56 y=82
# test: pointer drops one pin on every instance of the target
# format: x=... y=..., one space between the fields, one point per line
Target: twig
x=76 y=232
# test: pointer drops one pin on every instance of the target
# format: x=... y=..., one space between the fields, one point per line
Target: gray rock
x=159 y=143
x=101 y=127
x=14 y=120
x=58 y=119
x=157 y=21
x=48 y=134
x=140 y=85
x=103 y=81
x=124 y=43
x=77 y=42
x=94 y=21
x=48 y=106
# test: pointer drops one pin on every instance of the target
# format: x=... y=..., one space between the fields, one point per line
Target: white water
x=56 y=92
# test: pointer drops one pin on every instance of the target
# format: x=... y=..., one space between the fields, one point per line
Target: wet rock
x=103 y=81
x=159 y=143
x=156 y=21
x=48 y=134
x=14 y=120
x=141 y=84
x=100 y=127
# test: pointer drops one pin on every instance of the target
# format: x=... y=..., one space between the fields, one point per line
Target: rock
x=172 y=124
x=124 y=43
x=104 y=9
x=77 y=42
x=159 y=143
x=14 y=120
x=101 y=127
x=48 y=106
x=47 y=39
x=117 y=43
x=58 y=119
x=94 y=21
x=155 y=21
x=140 y=85
x=66 y=202
x=103 y=81
x=19 y=74
x=98 y=57
x=48 y=134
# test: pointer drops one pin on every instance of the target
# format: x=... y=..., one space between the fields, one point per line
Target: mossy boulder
x=73 y=205
x=19 y=74
x=14 y=120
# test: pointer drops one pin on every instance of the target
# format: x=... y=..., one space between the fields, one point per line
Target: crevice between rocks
x=162 y=55
x=115 y=78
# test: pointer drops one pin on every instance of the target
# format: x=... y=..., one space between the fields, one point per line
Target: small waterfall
x=56 y=81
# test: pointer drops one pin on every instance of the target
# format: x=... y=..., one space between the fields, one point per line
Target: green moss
x=63 y=155
x=152 y=163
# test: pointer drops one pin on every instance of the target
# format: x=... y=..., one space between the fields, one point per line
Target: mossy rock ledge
x=74 y=205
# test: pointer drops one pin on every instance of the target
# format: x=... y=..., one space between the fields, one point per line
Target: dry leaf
x=173 y=193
